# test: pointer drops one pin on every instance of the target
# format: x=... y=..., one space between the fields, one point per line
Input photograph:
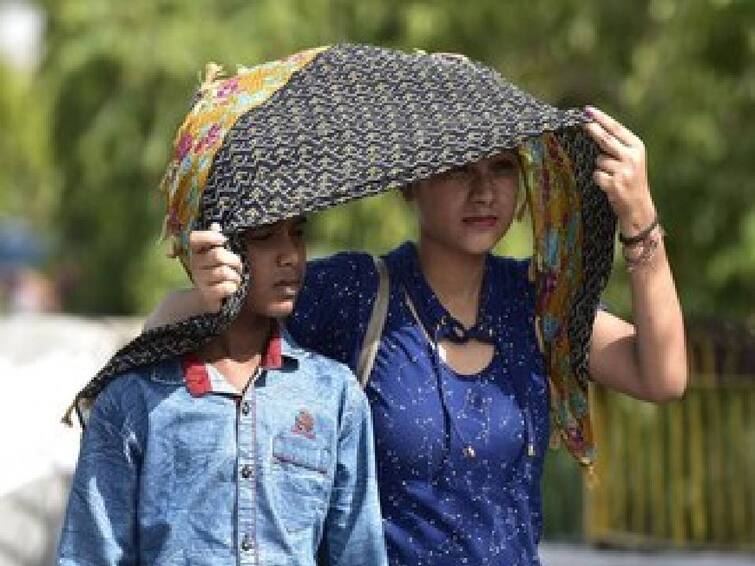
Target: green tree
x=678 y=72
x=26 y=178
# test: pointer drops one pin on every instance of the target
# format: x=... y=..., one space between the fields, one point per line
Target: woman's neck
x=454 y=276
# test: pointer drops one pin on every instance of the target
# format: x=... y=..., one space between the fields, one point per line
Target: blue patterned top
x=442 y=504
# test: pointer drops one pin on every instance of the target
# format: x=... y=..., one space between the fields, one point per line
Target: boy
x=249 y=450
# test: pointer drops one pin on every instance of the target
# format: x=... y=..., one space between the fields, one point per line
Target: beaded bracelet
x=649 y=246
x=636 y=240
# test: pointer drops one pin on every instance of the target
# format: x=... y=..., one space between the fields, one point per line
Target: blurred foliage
x=26 y=171
x=85 y=138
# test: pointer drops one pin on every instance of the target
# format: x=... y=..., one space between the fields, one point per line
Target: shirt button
x=245 y=408
x=247 y=471
x=247 y=544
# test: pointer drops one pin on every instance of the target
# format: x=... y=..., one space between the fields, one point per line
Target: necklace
x=462 y=335
x=468 y=450
x=437 y=324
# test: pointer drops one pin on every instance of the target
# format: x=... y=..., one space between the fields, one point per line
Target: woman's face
x=468 y=209
x=277 y=259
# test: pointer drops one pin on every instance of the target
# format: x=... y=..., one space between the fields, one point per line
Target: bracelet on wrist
x=632 y=241
x=647 y=247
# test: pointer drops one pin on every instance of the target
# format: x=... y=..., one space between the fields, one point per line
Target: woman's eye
x=504 y=166
x=458 y=172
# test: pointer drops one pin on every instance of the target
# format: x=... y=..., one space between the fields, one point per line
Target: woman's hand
x=648 y=359
x=216 y=271
x=621 y=171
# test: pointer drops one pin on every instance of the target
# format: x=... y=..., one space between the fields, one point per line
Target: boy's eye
x=258 y=235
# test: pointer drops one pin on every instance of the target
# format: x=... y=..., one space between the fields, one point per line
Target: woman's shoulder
x=355 y=263
x=340 y=273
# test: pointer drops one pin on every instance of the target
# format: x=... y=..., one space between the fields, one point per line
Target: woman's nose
x=482 y=189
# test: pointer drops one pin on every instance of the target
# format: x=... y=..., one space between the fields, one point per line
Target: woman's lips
x=481 y=222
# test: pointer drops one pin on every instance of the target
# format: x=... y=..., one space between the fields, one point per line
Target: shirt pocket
x=196 y=469
x=302 y=478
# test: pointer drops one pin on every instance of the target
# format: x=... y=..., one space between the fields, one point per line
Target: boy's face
x=277 y=259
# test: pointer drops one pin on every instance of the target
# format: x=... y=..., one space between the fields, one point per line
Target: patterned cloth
x=339 y=123
x=217 y=106
x=555 y=208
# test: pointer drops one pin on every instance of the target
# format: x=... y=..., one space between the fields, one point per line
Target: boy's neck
x=238 y=352
x=246 y=338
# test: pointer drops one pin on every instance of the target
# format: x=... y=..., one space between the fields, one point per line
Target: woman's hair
x=521 y=205
x=521 y=195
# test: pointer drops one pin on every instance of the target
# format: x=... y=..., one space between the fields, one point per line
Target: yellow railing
x=682 y=473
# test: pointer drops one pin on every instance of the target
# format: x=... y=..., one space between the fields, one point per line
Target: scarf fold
x=556 y=213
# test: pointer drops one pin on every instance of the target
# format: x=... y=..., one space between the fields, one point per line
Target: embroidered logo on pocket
x=304 y=424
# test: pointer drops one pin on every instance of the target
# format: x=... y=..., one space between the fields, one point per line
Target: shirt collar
x=436 y=319
x=281 y=353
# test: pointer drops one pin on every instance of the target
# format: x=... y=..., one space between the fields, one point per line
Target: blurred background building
x=93 y=90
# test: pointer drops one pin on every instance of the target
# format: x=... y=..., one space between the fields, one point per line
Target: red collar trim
x=196 y=376
x=273 y=357
x=198 y=379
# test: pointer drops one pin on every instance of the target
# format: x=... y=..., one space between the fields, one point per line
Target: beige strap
x=413 y=310
x=376 y=324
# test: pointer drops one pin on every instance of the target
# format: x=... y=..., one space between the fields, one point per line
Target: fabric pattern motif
x=217 y=106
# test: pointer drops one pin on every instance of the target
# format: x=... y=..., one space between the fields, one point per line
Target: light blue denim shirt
x=178 y=467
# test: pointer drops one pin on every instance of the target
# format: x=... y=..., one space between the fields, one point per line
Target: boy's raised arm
x=215 y=272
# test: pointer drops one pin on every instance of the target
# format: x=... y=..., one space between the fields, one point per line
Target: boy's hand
x=215 y=270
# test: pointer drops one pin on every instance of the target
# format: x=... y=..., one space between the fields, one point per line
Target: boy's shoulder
x=336 y=380
x=310 y=360
x=321 y=368
x=135 y=390
x=165 y=372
